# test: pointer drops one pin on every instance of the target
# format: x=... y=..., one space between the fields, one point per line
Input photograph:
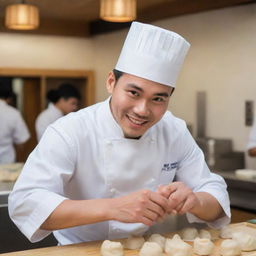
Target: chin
x=132 y=135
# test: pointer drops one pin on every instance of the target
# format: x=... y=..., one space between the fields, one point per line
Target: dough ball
x=252 y=254
x=157 y=239
x=247 y=242
x=109 y=248
x=203 y=233
x=230 y=248
x=203 y=246
x=215 y=233
x=134 y=242
x=151 y=249
x=226 y=232
x=177 y=247
x=189 y=233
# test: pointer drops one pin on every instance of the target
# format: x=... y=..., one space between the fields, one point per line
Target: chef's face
x=68 y=105
x=137 y=103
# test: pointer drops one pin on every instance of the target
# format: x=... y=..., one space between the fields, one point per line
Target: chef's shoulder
x=11 y=113
x=78 y=123
x=172 y=125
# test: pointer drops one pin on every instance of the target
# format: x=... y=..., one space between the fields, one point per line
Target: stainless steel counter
x=5 y=189
x=241 y=191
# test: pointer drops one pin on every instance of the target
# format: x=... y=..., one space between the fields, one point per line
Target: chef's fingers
x=147 y=221
x=164 y=190
x=180 y=206
x=159 y=203
x=146 y=216
x=187 y=206
x=175 y=199
x=167 y=190
x=179 y=195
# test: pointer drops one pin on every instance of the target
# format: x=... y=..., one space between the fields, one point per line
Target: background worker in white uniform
x=63 y=100
x=107 y=171
x=13 y=129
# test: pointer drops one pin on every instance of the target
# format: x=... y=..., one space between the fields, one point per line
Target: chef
x=115 y=168
x=62 y=101
x=13 y=129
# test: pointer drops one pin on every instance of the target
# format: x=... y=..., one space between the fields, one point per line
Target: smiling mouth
x=136 y=121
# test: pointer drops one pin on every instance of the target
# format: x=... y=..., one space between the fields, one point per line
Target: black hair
x=5 y=88
x=117 y=74
x=65 y=91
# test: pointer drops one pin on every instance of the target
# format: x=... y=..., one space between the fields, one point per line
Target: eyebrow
x=161 y=94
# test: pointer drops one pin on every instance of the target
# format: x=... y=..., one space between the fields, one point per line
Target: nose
x=141 y=109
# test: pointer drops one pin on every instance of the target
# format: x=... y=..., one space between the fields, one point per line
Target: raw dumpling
x=230 y=248
x=203 y=233
x=177 y=247
x=189 y=233
x=203 y=246
x=214 y=234
x=134 y=242
x=151 y=249
x=109 y=248
x=247 y=242
x=226 y=232
x=157 y=239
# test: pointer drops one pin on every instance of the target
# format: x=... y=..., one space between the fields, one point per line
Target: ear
x=111 y=81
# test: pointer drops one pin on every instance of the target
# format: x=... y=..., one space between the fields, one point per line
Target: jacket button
x=113 y=191
x=109 y=143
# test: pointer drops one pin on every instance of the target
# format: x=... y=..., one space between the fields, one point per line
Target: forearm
x=72 y=213
x=208 y=208
x=142 y=206
x=252 y=152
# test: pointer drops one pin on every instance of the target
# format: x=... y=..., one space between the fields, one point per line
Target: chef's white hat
x=153 y=53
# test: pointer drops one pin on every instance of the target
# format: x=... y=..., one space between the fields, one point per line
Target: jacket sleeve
x=40 y=187
x=20 y=132
x=194 y=172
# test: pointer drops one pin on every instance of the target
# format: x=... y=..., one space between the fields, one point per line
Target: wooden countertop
x=93 y=248
x=83 y=249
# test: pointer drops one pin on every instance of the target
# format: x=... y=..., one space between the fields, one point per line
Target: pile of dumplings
x=158 y=245
x=236 y=242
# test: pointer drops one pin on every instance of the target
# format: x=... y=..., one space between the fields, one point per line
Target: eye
x=159 y=99
x=134 y=93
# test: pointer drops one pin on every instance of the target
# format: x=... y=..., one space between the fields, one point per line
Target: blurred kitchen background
x=215 y=93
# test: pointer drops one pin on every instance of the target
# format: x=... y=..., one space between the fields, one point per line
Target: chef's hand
x=181 y=199
x=142 y=206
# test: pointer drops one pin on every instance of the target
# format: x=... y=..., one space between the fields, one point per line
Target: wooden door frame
x=88 y=75
x=42 y=75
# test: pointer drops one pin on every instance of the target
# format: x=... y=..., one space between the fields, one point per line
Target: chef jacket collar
x=55 y=109
x=112 y=129
x=2 y=102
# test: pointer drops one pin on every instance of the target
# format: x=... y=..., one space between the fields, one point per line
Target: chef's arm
x=252 y=152
x=182 y=200
x=207 y=208
x=72 y=213
x=142 y=206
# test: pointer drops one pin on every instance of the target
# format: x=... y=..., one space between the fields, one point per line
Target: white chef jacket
x=13 y=130
x=84 y=155
x=252 y=137
x=45 y=118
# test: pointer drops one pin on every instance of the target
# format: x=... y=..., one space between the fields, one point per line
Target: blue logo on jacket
x=169 y=166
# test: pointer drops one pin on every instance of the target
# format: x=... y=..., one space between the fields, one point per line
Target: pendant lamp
x=22 y=16
x=118 y=10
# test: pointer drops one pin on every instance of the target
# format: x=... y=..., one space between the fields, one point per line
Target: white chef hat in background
x=153 y=53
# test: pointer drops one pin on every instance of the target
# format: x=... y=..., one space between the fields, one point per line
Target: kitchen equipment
x=219 y=153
